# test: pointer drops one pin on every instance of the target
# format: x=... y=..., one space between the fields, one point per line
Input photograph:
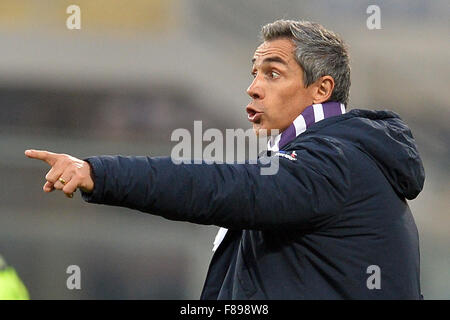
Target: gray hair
x=319 y=52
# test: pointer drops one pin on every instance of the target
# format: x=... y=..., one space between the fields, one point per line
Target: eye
x=253 y=73
x=274 y=74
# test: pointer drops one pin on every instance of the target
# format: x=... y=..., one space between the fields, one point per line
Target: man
x=332 y=223
x=11 y=286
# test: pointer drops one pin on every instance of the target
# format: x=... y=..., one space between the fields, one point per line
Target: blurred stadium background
x=139 y=69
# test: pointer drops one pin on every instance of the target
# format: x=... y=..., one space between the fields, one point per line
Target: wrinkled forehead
x=283 y=48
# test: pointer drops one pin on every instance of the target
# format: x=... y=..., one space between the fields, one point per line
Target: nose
x=255 y=90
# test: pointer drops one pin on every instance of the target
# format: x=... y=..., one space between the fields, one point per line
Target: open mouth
x=253 y=115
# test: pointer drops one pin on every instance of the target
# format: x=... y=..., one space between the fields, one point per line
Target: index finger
x=46 y=156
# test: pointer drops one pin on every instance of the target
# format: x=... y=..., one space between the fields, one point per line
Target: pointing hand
x=67 y=173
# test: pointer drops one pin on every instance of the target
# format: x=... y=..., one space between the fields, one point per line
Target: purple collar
x=312 y=114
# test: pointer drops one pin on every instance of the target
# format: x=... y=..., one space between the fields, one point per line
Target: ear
x=323 y=88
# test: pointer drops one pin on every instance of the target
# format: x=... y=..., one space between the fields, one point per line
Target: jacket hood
x=386 y=139
x=389 y=142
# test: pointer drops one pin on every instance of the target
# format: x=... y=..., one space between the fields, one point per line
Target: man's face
x=277 y=91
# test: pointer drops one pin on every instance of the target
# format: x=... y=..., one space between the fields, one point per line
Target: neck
x=310 y=115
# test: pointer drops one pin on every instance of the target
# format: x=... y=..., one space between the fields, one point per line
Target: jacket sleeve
x=234 y=196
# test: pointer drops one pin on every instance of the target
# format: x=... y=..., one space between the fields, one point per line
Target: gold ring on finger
x=62 y=180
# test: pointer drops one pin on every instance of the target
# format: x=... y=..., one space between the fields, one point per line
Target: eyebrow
x=271 y=59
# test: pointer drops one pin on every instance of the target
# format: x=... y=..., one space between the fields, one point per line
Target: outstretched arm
x=302 y=193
